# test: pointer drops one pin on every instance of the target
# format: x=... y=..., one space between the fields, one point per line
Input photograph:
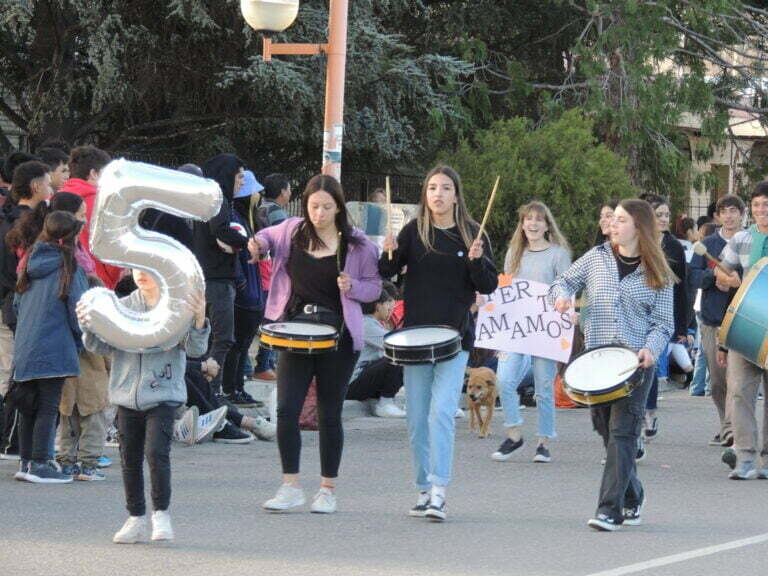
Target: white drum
x=602 y=375
x=422 y=345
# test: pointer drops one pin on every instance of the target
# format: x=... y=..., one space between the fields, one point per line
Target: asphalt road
x=504 y=518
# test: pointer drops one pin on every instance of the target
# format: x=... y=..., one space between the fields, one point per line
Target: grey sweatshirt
x=541 y=266
x=144 y=381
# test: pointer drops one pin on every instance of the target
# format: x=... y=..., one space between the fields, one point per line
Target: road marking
x=683 y=556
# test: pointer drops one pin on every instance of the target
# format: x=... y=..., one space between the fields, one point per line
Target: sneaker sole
x=602 y=526
x=750 y=476
x=82 y=478
x=435 y=516
x=21 y=477
x=14 y=457
x=287 y=509
x=633 y=522
x=140 y=540
x=542 y=459
x=233 y=440
x=417 y=513
x=38 y=480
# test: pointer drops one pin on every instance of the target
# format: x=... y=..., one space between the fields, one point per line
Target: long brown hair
x=306 y=237
x=60 y=230
x=519 y=241
x=467 y=226
x=658 y=274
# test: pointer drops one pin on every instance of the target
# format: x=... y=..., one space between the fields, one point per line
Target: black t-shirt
x=626 y=264
x=314 y=280
x=440 y=285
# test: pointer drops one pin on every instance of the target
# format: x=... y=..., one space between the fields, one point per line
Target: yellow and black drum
x=601 y=375
x=745 y=325
x=299 y=337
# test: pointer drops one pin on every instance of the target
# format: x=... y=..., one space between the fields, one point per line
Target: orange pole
x=333 y=129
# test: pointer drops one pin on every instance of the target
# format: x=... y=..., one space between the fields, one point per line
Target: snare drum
x=299 y=337
x=745 y=325
x=601 y=375
x=422 y=345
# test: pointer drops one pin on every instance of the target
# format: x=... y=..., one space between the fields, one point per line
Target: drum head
x=420 y=336
x=600 y=369
x=308 y=330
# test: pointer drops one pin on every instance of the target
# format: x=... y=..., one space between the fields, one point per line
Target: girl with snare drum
x=446 y=265
x=322 y=270
x=628 y=301
x=538 y=252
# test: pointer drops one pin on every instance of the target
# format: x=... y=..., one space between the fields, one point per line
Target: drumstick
x=338 y=253
x=389 y=215
x=701 y=250
x=631 y=369
x=488 y=208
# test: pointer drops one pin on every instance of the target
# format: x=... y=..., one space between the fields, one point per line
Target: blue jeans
x=700 y=381
x=511 y=371
x=432 y=393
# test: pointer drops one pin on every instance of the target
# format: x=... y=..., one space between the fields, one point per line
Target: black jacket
x=217 y=264
x=9 y=214
x=675 y=254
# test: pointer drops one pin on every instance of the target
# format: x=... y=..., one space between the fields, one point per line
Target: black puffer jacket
x=217 y=264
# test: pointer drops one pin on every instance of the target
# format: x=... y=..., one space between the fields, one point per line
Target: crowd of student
x=640 y=286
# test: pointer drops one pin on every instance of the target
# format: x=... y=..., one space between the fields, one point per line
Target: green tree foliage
x=559 y=163
x=177 y=80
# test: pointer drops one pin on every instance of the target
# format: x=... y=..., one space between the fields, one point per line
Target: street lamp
x=276 y=16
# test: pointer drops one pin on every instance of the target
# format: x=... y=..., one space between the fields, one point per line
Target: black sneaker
x=242 y=398
x=729 y=458
x=46 y=473
x=231 y=435
x=632 y=515
x=506 y=449
x=603 y=523
x=419 y=511
x=640 y=454
x=727 y=442
x=716 y=440
x=436 y=510
x=653 y=429
x=542 y=454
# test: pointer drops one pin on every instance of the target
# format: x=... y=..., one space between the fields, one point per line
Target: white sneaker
x=134 y=530
x=287 y=497
x=459 y=413
x=324 y=502
x=386 y=408
x=210 y=423
x=161 y=526
x=261 y=427
x=185 y=429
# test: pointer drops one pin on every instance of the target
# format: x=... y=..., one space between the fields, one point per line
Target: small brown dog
x=481 y=391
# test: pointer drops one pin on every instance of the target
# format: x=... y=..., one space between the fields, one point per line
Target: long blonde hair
x=657 y=271
x=467 y=226
x=519 y=241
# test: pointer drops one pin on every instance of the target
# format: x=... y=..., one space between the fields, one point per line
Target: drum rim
x=614 y=388
x=309 y=338
x=457 y=336
x=735 y=304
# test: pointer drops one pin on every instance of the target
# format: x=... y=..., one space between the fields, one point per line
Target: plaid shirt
x=626 y=312
x=738 y=250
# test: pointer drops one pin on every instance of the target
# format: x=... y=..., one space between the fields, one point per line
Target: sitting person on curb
x=219 y=419
x=375 y=379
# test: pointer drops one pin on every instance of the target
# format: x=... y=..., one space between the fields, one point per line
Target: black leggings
x=146 y=432
x=37 y=428
x=331 y=371
x=379 y=379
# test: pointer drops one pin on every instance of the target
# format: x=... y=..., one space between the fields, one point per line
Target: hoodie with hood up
x=47 y=333
x=110 y=275
x=217 y=264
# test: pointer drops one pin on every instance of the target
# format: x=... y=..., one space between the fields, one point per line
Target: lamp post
x=276 y=16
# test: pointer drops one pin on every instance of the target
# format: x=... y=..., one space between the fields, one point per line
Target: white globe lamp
x=269 y=15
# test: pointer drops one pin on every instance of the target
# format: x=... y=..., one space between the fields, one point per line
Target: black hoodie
x=217 y=264
x=9 y=214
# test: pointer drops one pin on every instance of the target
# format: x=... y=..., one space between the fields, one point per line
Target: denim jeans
x=511 y=371
x=700 y=381
x=432 y=393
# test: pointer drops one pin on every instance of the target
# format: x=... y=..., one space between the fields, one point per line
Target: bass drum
x=745 y=325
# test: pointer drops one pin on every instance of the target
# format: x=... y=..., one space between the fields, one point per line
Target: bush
x=559 y=163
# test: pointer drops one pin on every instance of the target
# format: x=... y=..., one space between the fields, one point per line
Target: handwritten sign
x=517 y=317
x=372 y=218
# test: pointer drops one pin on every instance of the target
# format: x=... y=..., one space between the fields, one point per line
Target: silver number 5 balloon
x=125 y=190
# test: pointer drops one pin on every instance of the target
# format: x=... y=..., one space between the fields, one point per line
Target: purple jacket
x=361 y=264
